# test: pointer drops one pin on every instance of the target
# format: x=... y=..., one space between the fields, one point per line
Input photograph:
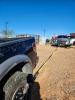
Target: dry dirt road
x=56 y=79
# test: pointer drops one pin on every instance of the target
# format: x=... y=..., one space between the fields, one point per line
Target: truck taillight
x=34 y=46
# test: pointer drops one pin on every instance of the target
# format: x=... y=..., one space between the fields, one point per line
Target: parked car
x=53 y=41
x=72 y=40
x=47 y=41
x=17 y=58
x=61 y=40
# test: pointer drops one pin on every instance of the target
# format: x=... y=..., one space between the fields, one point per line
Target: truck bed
x=5 y=40
x=14 y=46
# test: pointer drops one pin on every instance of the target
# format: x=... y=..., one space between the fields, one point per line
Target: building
x=37 y=37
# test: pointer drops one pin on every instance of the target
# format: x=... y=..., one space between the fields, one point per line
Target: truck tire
x=16 y=87
x=74 y=43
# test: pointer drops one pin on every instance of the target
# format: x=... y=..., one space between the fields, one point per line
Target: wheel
x=16 y=87
x=74 y=43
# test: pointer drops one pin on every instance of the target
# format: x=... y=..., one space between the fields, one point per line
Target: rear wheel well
x=11 y=72
x=30 y=78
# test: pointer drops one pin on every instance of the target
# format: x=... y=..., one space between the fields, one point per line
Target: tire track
x=37 y=72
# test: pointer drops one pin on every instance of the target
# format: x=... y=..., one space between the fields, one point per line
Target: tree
x=7 y=33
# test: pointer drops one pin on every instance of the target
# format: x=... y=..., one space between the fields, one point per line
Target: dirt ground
x=56 y=79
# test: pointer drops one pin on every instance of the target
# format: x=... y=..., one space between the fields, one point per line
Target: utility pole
x=44 y=32
x=6 y=27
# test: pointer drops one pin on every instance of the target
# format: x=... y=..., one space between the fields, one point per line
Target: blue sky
x=35 y=16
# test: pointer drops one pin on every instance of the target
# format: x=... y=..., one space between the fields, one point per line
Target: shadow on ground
x=67 y=47
x=35 y=92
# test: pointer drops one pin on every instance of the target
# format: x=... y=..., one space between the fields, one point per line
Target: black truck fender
x=10 y=63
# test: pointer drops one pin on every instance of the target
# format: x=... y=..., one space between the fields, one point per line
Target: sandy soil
x=56 y=79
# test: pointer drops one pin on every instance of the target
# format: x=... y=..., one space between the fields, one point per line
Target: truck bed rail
x=15 y=47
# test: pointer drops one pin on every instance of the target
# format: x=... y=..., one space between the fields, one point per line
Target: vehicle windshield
x=62 y=36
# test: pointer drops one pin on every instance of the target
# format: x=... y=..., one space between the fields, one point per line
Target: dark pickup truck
x=17 y=60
